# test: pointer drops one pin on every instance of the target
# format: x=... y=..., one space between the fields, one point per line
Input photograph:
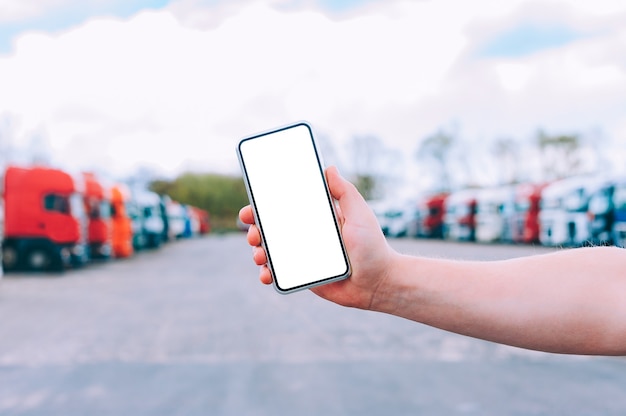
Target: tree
x=436 y=151
x=6 y=138
x=326 y=148
x=560 y=154
x=376 y=168
x=39 y=147
x=507 y=155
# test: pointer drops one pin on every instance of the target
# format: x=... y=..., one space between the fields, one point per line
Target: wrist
x=416 y=288
x=394 y=285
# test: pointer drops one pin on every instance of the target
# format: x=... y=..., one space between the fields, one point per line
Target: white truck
x=176 y=217
x=148 y=213
x=564 y=218
x=460 y=217
x=493 y=205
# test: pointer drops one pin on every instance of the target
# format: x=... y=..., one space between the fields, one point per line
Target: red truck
x=460 y=216
x=1 y=230
x=45 y=223
x=525 y=224
x=98 y=207
x=205 y=221
x=432 y=223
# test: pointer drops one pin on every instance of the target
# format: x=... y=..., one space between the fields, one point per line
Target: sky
x=173 y=85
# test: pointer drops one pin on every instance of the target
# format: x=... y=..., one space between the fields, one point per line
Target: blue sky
x=343 y=5
x=70 y=14
x=527 y=38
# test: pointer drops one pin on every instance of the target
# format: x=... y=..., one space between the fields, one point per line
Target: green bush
x=222 y=196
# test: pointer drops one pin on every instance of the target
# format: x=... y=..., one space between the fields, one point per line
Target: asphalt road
x=188 y=330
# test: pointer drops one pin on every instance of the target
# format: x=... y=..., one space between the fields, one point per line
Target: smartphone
x=293 y=208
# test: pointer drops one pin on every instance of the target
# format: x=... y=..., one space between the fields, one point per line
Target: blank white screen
x=293 y=208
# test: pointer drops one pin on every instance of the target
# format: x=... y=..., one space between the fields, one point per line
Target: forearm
x=573 y=301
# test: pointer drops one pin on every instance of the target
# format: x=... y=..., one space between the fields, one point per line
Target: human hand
x=370 y=256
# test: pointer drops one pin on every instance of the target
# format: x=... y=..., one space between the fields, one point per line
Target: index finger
x=245 y=215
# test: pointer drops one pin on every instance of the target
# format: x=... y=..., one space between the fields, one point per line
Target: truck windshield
x=619 y=198
x=600 y=202
x=522 y=205
x=105 y=210
x=489 y=208
x=132 y=211
x=148 y=212
x=463 y=210
x=550 y=203
x=575 y=201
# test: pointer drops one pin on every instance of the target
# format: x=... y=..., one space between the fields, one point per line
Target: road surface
x=188 y=330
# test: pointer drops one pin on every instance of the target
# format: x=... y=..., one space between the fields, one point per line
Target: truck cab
x=460 y=216
x=601 y=213
x=45 y=222
x=163 y=201
x=148 y=212
x=491 y=206
x=97 y=200
x=121 y=223
x=433 y=215
x=204 y=220
x=563 y=217
x=619 y=213
x=394 y=217
x=524 y=220
x=1 y=231
x=176 y=217
x=190 y=221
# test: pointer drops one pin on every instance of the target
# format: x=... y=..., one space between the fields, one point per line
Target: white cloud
x=513 y=76
x=168 y=90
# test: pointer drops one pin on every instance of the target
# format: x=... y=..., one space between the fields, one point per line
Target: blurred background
x=502 y=123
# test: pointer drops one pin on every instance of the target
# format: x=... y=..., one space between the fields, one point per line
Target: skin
x=570 y=301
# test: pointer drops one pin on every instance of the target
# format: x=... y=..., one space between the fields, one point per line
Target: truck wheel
x=43 y=259
x=9 y=258
x=38 y=259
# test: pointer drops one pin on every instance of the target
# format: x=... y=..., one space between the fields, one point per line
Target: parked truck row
x=571 y=212
x=51 y=220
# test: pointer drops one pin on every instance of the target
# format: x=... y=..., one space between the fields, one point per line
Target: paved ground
x=187 y=330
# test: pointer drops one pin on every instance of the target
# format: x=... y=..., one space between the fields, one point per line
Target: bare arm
x=572 y=301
